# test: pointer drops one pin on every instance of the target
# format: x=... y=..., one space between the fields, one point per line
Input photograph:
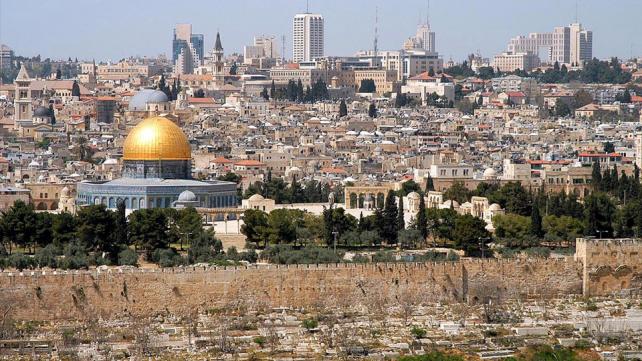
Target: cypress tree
x=596 y=177
x=343 y=108
x=536 y=221
x=401 y=223
x=389 y=224
x=422 y=218
x=430 y=186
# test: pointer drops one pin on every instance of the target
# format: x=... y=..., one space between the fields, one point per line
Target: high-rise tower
x=307 y=37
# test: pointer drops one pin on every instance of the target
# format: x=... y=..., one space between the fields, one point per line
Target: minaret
x=23 y=107
x=218 y=66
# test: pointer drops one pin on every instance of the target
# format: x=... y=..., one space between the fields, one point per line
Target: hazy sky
x=113 y=29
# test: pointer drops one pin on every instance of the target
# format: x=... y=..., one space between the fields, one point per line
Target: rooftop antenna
x=307 y=6
x=428 y=14
x=376 y=33
x=576 y=11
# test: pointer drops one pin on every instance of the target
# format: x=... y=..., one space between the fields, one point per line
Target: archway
x=353 y=201
x=42 y=206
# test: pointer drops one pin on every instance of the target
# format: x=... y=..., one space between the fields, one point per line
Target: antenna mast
x=428 y=14
x=376 y=32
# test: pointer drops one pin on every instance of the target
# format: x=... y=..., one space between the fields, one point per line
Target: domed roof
x=448 y=203
x=495 y=207
x=41 y=112
x=156 y=138
x=34 y=163
x=139 y=101
x=489 y=173
x=64 y=192
x=413 y=195
x=256 y=197
x=187 y=196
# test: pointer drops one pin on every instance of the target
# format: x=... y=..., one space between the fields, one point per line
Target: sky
x=114 y=29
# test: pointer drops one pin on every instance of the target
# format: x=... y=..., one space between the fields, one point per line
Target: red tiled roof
x=515 y=94
x=599 y=155
x=249 y=162
x=221 y=160
x=201 y=100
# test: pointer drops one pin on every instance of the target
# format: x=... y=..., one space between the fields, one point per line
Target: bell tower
x=22 y=100
x=218 y=67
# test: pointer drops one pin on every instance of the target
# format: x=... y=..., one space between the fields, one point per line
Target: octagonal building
x=156 y=170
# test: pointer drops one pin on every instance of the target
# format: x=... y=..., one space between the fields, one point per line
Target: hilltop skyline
x=462 y=27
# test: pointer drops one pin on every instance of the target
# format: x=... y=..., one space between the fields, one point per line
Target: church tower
x=23 y=107
x=218 y=67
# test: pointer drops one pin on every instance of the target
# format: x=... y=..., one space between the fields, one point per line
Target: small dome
x=34 y=163
x=110 y=161
x=140 y=100
x=41 y=112
x=64 y=193
x=256 y=197
x=413 y=195
x=495 y=207
x=448 y=203
x=467 y=205
x=187 y=196
x=489 y=173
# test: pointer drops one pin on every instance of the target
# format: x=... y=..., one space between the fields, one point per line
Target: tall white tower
x=307 y=37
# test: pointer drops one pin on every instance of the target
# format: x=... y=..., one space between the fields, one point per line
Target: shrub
x=20 y=261
x=167 y=257
x=249 y=256
x=452 y=257
x=538 y=252
x=260 y=340
x=232 y=254
x=359 y=258
x=383 y=256
x=418 y=332
x=73 y=262
x=310 y=324
x=128 y=257
x=285 y=254
x=46 y=257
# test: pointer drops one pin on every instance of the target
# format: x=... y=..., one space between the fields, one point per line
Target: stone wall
x=115 y=293
x=609 y=265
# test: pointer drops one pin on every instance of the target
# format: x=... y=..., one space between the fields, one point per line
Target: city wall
x=38 y=295
x=609 y=265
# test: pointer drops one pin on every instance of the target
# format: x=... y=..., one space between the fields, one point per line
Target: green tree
x=430 y=185
x=367 y=86
x=469 y=232
x=255 y=227
x=205 y=248
x=120 y=225
x=596 y=176
x=149 y=230
x=408 y=187
x=401 y=223
x=95 y=229
x=457 y=192
x=599 y=212
x=343 y=108
x=422 y=218
x=512 y=230
x=19 y=225
x=272 y=90
x=536 y=222
x=561 y=108
x=389 y=225
x=372 y=110
x=64 y=229
x=609 y=147
x=189 y=225
x=75 y=89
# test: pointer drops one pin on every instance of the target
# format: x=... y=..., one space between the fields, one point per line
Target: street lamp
x=481 y=245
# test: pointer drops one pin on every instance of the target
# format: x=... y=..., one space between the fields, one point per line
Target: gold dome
x=156 y=138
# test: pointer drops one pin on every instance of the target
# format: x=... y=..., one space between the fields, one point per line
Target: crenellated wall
x=110 y=294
